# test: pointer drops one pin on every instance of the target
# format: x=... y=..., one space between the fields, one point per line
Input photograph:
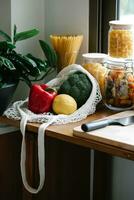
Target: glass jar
x=121 y=39
x=94 y=58
x=94 y=64
x=119 y=84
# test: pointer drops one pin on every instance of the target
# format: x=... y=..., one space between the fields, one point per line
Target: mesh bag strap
x=41 y=153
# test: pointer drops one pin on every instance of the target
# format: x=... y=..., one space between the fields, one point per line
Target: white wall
x=122 y=179
x=67 y=17
x=5 y=15
x=28 y=14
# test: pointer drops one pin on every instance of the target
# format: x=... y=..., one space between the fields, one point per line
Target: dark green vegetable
x=78 y=86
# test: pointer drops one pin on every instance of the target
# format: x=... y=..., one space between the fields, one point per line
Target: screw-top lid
x=95 y=57
x=119 y=62
x=119 y=24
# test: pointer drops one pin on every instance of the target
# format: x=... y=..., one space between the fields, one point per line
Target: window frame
x=100 y=13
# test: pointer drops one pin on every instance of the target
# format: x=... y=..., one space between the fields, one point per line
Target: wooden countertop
x=65 y=133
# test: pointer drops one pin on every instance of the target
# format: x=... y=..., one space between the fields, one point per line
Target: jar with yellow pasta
x=94 y=64
x=121 y=39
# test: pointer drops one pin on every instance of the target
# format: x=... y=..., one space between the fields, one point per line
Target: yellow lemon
x=64 y=104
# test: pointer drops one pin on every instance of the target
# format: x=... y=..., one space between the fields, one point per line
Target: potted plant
x=15 y=67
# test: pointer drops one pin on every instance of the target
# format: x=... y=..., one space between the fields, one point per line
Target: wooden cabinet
x=67 y=164
x=10 y=176
x=67 y=171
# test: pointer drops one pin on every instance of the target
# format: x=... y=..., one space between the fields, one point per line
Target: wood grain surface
x=65 y=133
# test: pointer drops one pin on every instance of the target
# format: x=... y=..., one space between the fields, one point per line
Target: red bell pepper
x=41 y=98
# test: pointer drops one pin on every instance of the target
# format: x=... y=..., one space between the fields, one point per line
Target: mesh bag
x=19 y=111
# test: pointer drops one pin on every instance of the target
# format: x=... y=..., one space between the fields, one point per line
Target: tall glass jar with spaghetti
x=119 y=84
x=121 y=39
x=67 y=48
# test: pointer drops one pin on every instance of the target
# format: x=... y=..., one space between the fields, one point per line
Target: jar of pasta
x=94 y=64
x=119 y=84
x=121 y=39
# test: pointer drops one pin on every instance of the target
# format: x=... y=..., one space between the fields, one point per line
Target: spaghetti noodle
x=66 y=47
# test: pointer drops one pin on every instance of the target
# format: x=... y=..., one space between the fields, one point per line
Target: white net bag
x=19 y=111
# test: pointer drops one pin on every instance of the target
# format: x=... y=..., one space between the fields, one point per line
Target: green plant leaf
x=25 y=35
x=27 y=68
x=1 y=84
x=7 y=63
x=49 y=52
x=40 y=63
x=14 y=30
x=25 y=64
x=5 y=36
x=1 y=77
x=4 y=46
x=32 y=66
